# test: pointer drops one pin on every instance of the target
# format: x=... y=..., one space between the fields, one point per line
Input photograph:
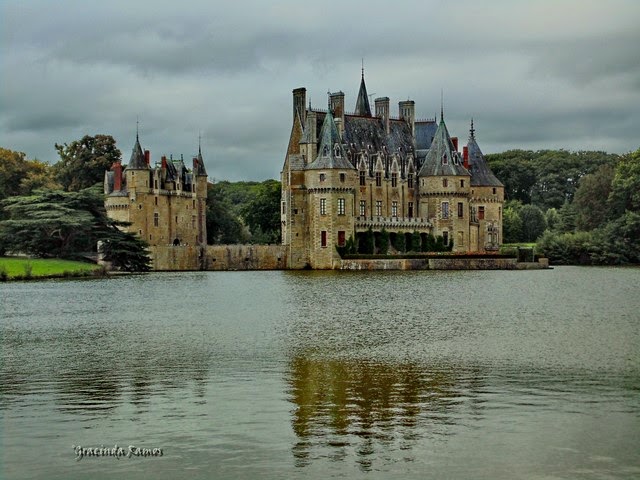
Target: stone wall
x=245 y=257
x=472 y=263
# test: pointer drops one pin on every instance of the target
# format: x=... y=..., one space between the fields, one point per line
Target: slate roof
x=442 y=159
x=137 y=161
x=425 y=131
x=362 y=132
x=199 y=169
x=331 y=153
x=481 y=174
x=362 y=103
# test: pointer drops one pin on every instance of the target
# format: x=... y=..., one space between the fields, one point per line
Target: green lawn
x=44 y=267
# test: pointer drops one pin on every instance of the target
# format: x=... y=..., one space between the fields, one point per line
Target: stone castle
x=165 y=203
x=345 y=173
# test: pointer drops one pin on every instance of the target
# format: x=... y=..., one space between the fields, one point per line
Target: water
x=485 y=375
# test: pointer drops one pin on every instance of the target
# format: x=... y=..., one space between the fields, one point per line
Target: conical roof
x=137 y=161
x=481 y=174
x=331 y=153
x=442 y=158
x=199 y=168
x=362 y=103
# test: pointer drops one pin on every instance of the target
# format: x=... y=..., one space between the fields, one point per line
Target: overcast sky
x=533 y=74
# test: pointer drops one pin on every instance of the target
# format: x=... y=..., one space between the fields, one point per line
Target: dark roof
x=137 y=161
x=425 y=131
x=442 y=158
x=199 y=167
x=362 y=104
x=362 y=132
x=331 y=153
x=481 y=174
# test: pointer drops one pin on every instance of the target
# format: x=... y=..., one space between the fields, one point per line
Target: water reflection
x=369 y=409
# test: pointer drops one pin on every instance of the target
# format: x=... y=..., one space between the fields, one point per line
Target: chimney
x=465 y=156
x=454 y=140
x=407 y=110
x=382 y=111
x=117 y=176
x=147 y=157
x=299 y=104
x=336 y=103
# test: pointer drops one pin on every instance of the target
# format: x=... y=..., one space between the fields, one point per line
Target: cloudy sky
x=533 y=74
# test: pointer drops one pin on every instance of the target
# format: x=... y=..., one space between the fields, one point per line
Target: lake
x=314 y=375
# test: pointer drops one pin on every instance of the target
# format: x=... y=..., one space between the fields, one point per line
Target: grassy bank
x=19 y=268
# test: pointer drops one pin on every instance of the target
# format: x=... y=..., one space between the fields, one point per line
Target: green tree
x=223 y=226
x=83 y=162
x=590 y=200
x=65 y=224
x=625 y=187
x=533 y=222
x=429 y=244
x=416 y=242
x=262 y=213
x=552 y=218
x=367 y=243
x=383 y=247
x=400 y=243
x=19 y=176
x=511 y=225
x=568 y=218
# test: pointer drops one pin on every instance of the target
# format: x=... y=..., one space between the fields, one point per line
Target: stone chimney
x=382 y=111
x=407 y=110
x=299 y=103
x=336 y=104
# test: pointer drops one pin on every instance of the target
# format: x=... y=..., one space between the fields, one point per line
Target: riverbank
x=24 y=268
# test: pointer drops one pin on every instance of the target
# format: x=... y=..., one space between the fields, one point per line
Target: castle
x=345 y=173
x=164 y=203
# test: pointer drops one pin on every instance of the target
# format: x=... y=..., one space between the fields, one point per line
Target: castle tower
x=487 y=197
x=444 y=186
x=200 y=174
x=330 y=181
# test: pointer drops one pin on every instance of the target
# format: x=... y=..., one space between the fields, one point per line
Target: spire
x=137 y=161
x=441 y=105
x=362 y=104
x=198 y=166
x=472 y=131
x=331 y=153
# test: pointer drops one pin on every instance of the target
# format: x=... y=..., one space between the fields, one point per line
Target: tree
x=83 y=162
x=625 y=187
x=553 y=219
x=383 y=247
x=65 y=224
x=19 y=176
x=416 y=242
x=262 y=213
x=568 y=218
x=533 y=222
x=400 y=243
x=223 y=226
x=590 y=200
x=367 y=243
x=511 y=225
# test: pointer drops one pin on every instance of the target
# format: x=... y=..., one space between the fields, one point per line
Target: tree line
x=580 y=207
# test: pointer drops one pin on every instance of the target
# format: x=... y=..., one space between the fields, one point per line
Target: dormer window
x=336 y=150
x=445 y=159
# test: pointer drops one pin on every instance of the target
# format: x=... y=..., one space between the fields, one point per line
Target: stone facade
x=347 y=172
x=218 y=257
x=165 y=203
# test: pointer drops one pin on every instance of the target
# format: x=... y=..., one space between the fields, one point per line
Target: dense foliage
x=19 y=176
x=63 y=224
x=582 y=208
x=240 y=212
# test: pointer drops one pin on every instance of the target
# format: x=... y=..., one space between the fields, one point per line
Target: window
x=460 y=210
x=394 y=209
x=445 y=209
x=378 y=207
x=284 y=208
x=363 y=208
x=342 y=177
x=362 y=178
x=461 y=183
x=194 y=204
x=323 y=206
x=394 y=179
x=323 y=238
x=156 y=200
x=341 y=238
x=410 y=210
x=322 y=177
x=481 y=213
x=410 y=180
x=494 y=190
x=341 y=206
x=156 y=219
x=193 y=222
x=445 y=159
x=378 y=179
x=445 y=183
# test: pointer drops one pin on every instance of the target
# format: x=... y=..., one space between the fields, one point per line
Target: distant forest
x=578 y=207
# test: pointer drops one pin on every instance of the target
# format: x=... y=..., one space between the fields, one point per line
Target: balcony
x=393 y=223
